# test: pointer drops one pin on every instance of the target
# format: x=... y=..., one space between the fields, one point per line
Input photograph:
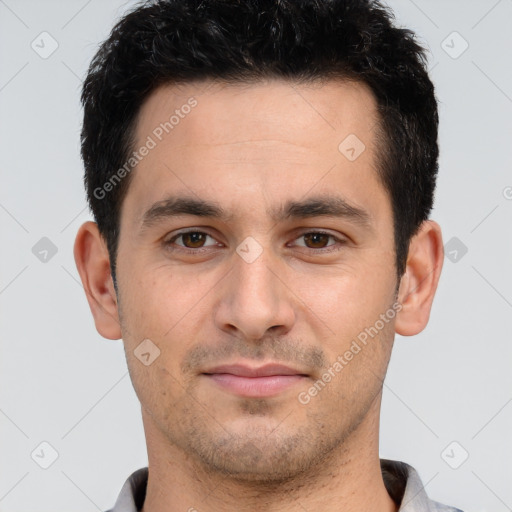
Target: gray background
x=63 y=384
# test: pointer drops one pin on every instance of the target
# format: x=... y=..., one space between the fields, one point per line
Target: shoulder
x=132 y=495
x=404 y=485
x=439 y=507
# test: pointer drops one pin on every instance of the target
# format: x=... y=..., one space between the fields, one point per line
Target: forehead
x=272 y=138
x=297 y=113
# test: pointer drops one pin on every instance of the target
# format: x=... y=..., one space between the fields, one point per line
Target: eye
x=191 y=240
x=195 y=241
x=318 y=240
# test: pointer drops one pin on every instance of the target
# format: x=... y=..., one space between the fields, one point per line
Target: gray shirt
x=401 y=480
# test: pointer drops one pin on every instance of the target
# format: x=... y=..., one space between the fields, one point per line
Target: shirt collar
x=401 y=480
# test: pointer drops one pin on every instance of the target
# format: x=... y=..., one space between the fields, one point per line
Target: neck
x=349 y=479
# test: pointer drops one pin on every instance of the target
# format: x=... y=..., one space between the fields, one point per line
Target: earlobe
x=419 y=282
x=93 y=264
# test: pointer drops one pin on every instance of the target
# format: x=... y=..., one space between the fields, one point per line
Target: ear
x=419 y=283
x=93 y=264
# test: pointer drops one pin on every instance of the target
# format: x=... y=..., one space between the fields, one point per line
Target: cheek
x=154 y=308
x=154 y=300
x=157 y=386
x=348 y=298
x=350 y=306
x=167 y=308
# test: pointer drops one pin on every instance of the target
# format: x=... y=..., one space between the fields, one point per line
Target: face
x=254 y=233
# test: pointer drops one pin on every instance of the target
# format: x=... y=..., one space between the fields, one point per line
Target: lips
x=262 y=371
x=263 y=381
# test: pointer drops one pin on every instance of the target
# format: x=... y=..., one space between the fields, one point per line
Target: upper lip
x=261 y=371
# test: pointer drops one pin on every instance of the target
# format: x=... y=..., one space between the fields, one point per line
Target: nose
x=255 y=299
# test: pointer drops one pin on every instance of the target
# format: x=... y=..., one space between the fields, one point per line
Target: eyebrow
x=319 y=206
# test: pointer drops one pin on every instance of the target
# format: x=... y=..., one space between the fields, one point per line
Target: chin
x=265 y=457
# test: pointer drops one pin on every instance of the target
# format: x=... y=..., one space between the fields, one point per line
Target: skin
x=251 y=148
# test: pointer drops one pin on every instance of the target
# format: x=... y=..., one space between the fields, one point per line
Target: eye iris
x=195 y=239
x=314 y=238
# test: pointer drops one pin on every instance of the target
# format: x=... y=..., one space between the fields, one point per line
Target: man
x=261 y=175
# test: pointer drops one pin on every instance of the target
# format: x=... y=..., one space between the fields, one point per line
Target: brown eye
x=317 y=240
x=194 y=239
x=190 y=240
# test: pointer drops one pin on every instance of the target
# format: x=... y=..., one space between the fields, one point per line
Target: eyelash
x=331 y=248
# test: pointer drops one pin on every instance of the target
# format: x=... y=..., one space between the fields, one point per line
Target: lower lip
x=255 y=386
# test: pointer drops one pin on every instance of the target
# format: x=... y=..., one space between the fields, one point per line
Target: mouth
x=263 y=381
